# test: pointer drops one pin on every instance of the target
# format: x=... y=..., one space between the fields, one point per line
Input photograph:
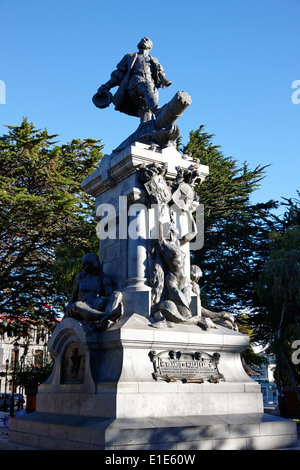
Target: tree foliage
x=31 y=376
x=291 y=215
x=44 y=214
x=235 y=230
x=277 y=324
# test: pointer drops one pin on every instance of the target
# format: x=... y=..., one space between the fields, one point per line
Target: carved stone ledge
x=116 y=168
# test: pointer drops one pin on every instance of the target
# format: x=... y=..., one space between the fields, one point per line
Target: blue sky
x=236 y=58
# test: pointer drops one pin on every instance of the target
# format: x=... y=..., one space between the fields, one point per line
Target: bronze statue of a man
x=138 y=75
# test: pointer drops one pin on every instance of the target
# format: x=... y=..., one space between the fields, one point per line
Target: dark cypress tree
x=235 y=230
x=277 y=323
x=44 y=213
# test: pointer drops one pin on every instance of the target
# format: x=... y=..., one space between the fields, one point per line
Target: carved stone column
x=126 y=256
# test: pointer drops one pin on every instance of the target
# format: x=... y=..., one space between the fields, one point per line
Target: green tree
x=235 y=230
x=290 y=217
x=277 y=325
x=31 y=376
x=45 y=216
x=252 y=359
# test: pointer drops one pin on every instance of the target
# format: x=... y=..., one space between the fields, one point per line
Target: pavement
x=4 y=434
x=6 y=445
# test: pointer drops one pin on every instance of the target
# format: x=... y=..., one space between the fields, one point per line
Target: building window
x=38 y=358
x=13 y=359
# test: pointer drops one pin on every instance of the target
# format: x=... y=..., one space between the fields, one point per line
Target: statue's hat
x=102 y=99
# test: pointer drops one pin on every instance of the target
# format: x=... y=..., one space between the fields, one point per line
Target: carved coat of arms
x=184 y=196
x=158 y=190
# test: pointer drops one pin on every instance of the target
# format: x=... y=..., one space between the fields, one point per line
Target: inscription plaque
x=195 y=366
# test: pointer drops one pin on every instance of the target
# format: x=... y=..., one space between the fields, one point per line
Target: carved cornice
x=125 y=164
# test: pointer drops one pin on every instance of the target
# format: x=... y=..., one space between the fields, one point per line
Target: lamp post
x=20 y=405
x=6 y=370
x=12 y=402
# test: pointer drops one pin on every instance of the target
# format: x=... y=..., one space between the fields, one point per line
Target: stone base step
x=52 y=431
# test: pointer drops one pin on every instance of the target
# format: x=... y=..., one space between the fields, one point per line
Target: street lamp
x=20 y=405
x=12 y=402
x=6 y=370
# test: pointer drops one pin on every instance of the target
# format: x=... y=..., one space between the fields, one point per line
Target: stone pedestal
x=122 y=377
x=135 y=386
x=108 y=391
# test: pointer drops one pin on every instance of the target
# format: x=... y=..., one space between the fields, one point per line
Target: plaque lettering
x=186 y=366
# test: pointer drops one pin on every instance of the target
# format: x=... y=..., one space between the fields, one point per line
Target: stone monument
x=139 y=363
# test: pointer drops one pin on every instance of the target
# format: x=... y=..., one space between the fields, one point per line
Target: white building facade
x=27 y=345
